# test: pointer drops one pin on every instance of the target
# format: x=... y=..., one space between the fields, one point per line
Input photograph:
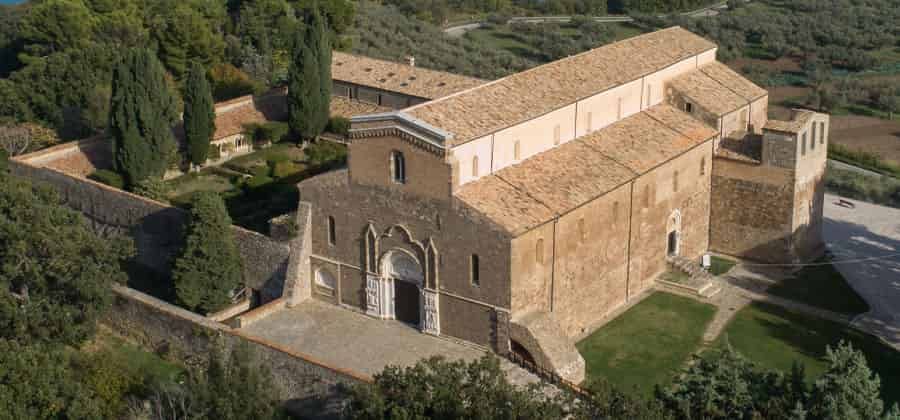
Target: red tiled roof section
x=708 y=93
x=737 y=83
x=539 y=189
x=398 y=77
x=523 y=96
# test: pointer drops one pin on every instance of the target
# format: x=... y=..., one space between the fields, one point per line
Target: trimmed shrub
x=229 y=82
x=284 y=169
x=258 y=181
x=272 y=131
x=338 y=125
x=105 y=176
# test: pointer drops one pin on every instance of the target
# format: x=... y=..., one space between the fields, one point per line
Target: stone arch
x=673 y=233
x=401 y=264
x=432 y=260
x=370 y=249
x=405 y=280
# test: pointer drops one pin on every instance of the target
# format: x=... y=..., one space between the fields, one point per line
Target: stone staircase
x=699 y=281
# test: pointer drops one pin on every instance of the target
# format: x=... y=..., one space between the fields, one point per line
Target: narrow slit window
x=675 y=181
x=475 y=166
x=539 y=251
x=812 y=144
x=702 y=166
x=621 y=105
x=590 y=121
x=475 y=270
x=688 y=107
x=582 y=231
x=649 y=94
x=803 y=145
x=517 y=150
x=556 y=135
x=821 y=133
x=398 y=167
x=332 y=234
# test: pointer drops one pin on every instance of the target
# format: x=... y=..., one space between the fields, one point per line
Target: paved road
x=461 y=29
x=865 y=232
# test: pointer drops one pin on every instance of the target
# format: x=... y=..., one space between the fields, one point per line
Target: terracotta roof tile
x=737 y=83
x=539 y=189
x=708 y=93
x=798 y=120
x=397 y=77
x=496 y=105
x=509 y=207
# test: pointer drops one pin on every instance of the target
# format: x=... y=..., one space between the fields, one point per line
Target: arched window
x=475 y=271
x=331 y=231
x=324 y=279
x=539 y=251
x=475 y=166
x=517 y=150
x=398 y=167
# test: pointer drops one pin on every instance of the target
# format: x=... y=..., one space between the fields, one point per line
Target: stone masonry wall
x=189 y=337
x=158 y=229
x=751 y=210
x=467 y=311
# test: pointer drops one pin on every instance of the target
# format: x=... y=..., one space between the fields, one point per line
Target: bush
x=284 y=169
x=884 y=190
x=229 y=82
x=262 y=170
x=108 y=177
x=258 y=181
x=326 y=153
x=214 y=153
x=152 y=188
x=338 y=125
x=273 y=131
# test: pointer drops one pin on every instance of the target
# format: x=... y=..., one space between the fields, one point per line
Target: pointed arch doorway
x=405 y=278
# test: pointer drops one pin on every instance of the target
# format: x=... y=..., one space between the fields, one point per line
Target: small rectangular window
x=556 y=135
x=332 y=234
x=475 y=271
x=688 y=107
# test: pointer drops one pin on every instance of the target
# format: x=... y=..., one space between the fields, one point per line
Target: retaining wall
x=157 y=228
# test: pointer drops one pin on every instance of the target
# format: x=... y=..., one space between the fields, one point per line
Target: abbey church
x=518 y=214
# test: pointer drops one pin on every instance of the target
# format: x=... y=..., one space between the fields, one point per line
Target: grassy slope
x=647 y=344
x=774 y=337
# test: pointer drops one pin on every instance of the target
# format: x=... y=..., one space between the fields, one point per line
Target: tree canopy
x=199 y=114
x=208 y=270
x=57 y=270
x=309 y=87
x=142 y=111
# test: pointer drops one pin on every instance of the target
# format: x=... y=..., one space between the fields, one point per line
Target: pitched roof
x=523 y=96
x=545 y=186
x=707 y=92
x=397 y=77
x=737 y=83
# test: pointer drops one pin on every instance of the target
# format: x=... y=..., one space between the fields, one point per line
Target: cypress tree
x=209 y=267
x=142 y=110
x=199 y=114
x=322 y=38
x=309 y=78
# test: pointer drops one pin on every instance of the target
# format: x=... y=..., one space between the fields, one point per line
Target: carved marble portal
x=398 y=265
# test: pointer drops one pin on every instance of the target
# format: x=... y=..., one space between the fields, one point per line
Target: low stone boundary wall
x=191 y=337
x=259 y=313
x=231 y=311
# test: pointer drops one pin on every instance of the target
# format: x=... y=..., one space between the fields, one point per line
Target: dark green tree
x=54 y=272
x=38 y=381
x=232 y=387
x=439 y=389
x=308 y=105
x=53 y=26
x=848 y=390
x=209 y=268
x=199 y=114
x=142 y=110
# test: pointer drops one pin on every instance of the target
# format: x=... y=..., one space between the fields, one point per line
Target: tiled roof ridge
x=392 y=62
x=729 y=88
x=536 y=68
x=671 y=128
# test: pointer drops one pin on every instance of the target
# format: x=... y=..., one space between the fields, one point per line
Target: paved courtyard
x=342 y=338
x=870 y=235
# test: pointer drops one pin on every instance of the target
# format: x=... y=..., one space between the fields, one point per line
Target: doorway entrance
x=406 y=279
x=673 y=244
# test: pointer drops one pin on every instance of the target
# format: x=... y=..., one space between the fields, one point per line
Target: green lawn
x=720 y=265
x=774 y=337
x=821 y=286
x=647 y=344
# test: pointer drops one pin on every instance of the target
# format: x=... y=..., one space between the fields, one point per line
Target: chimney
x=411 y=60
